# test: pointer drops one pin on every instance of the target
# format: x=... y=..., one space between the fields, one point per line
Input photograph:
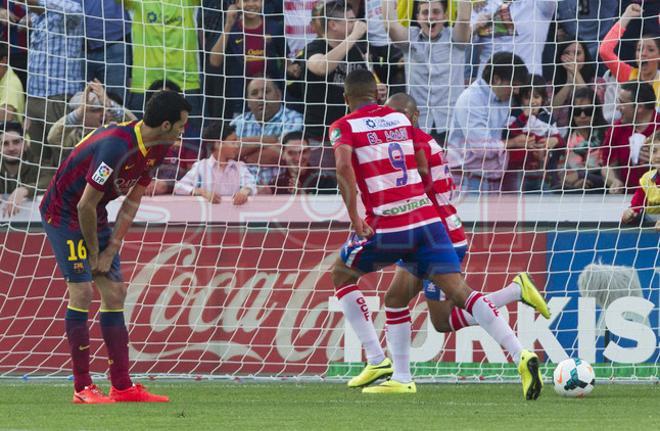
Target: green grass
x=328 y=406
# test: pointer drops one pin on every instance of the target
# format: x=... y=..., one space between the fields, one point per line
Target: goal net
x=244 y=291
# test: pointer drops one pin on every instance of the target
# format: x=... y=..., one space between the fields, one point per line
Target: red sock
x=77 y=333
x=115 y=336
x=458 y=319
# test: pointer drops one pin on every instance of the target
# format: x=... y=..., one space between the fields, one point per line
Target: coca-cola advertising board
x=228 y=300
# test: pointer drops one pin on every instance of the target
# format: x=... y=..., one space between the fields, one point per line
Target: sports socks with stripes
x=398 y=337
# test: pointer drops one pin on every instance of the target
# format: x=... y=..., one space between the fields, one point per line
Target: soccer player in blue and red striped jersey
x=375 y=155
x=111 y=161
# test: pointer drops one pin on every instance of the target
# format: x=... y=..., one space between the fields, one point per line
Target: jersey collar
x=140 y=142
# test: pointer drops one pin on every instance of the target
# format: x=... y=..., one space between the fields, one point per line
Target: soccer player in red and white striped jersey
x=375 y=154
x=445 y=316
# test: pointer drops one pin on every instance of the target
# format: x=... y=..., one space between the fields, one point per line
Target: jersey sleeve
x=107 y=158
x=340 y=134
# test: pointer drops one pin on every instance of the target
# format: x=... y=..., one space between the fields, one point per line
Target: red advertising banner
x=222 y=300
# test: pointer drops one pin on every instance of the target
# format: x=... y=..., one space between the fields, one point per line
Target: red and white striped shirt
x=440 y=186
x=385 y=168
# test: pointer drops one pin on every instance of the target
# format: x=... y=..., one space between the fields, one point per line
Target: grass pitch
x=208 y=405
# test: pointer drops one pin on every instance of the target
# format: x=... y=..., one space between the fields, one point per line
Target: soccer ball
x=574 y=378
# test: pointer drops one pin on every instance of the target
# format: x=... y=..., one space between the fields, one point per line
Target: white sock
x=505 y=296
x=487 y=316
x=398 y=337
x=357 y=313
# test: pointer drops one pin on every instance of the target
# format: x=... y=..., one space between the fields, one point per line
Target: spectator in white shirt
x=520 y=27
x=220 y=174
x=476 y=152
x=435 y=60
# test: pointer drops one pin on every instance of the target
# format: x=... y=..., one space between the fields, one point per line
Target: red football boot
x=91 y=395
x=136 y=394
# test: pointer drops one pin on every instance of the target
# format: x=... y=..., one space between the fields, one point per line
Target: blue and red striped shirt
x=111 y=159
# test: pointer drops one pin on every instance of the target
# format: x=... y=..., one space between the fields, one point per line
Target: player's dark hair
x=11 y=126
x=165 y=106
x=160 y=85
x=507 y=66
x=360 y=83
x=293 y=136
x=642 y=93
x=4 y=49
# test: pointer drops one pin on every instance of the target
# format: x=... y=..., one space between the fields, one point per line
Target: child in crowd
x=220 y=174
x=645 y=203
x=579 y=166
x=532 y=119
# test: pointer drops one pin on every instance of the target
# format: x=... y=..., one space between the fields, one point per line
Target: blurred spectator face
x=431 y=18
x=532 y=99
x=626 y=107
x=339 y=28
x=583 y=112
x=12 y=147
x=264 y=99
x=296 y=153
x=251 y=7
x=228 y=149
x=648 y=53
x=93 y=117
x=8 y=113
x=655 y=154
x=503 y=89
x=575 y=54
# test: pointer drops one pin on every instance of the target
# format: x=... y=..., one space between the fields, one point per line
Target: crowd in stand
x=524 y=96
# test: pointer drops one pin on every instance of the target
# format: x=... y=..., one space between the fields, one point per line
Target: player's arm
x=87 y=218
x=125 y=217
x=346 y=181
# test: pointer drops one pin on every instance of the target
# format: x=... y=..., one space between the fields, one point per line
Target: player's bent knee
x=397 y=298
x=80 y=295
x=440 y=324
x=113 y=293
x=342 y=274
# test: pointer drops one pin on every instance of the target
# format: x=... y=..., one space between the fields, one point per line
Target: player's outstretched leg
x=357 y=314
x=522 y=288
x=77 y=334
x=115 y=336
x=488 y=317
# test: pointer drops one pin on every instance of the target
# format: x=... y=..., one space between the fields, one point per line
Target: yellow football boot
x=530 y=373
x=391 y=387
x=530 y=294
x=371 y=373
